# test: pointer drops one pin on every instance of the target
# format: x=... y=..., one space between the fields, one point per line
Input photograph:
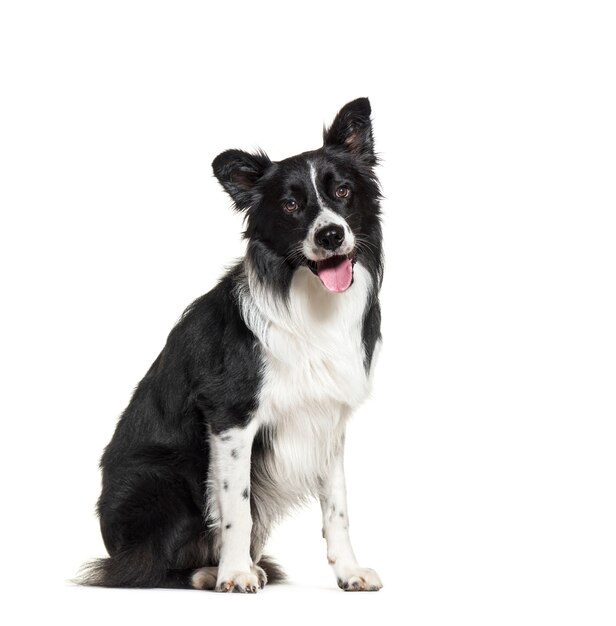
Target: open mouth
x=336 y=273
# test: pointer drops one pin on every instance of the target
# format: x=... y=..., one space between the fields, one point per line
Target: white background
x=482 y=473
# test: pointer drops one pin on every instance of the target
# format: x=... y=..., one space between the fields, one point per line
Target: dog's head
x=319 y=209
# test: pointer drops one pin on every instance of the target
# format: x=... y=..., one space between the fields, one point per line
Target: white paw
x=261 y=575
x=242 y=582
x=204 y=578
x=360 y=579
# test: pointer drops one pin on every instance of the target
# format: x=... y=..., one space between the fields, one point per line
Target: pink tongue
x=336 y=276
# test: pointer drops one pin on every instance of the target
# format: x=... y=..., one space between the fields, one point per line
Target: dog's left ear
x=352 y=131
x=238 y=172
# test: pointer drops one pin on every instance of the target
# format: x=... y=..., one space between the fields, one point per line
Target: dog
x=242 y=416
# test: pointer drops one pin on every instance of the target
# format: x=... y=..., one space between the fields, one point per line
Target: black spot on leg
x=227 y=526
x=234 y=453
x=333 y=508
x=226 y=438
x=245 y=494
x=225 y=485
x=341 y=514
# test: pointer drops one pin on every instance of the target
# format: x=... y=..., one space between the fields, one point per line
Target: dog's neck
x=300 y=305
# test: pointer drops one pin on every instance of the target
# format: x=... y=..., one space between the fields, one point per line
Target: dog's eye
x=343 y=192
x=290 y=206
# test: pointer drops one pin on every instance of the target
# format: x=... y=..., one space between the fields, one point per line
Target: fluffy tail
x=275 y=573
x=120 y=571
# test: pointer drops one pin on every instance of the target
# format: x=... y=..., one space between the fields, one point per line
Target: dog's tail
x=135 y=568
x=124 y=570
x=275 y=573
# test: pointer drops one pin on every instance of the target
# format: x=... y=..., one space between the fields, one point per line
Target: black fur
x=207 y=377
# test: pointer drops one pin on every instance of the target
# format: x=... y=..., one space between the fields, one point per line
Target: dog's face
x=317 y=209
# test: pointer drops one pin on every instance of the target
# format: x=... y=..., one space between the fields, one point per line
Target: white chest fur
x=314 y=372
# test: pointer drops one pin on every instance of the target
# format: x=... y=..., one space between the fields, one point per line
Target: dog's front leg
x=350 y=576
x=229 y=496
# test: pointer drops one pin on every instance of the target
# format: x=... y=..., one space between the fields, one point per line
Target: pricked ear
x=238 y=172
x=352 y=131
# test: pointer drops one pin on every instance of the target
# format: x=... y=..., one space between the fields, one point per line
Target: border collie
x=243 y=414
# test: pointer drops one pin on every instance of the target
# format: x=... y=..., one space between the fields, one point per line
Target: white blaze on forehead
x=324 y=217
x=313 y=178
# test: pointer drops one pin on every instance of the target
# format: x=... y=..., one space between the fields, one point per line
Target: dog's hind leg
x=153 y=530
x=204 y=578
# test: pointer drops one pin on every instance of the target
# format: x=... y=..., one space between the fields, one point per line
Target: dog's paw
x=261 y=575
x=242 y=582
x=360 y=579
x=204 y=578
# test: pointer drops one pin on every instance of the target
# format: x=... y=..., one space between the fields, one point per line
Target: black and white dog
x=243 y=413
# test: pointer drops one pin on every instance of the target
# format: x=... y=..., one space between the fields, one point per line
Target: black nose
x=330 y=237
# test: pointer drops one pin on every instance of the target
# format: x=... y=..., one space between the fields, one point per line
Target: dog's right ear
x=238 y=172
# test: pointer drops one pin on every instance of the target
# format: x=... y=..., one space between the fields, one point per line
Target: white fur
x=314 y=373
x=229 y=510
x=204 y=578
x=313 y=178
x=336 y=533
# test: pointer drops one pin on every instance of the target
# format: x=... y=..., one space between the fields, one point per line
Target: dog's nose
x=330 y=237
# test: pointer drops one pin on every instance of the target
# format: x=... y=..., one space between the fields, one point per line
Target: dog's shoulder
x=213 y=322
